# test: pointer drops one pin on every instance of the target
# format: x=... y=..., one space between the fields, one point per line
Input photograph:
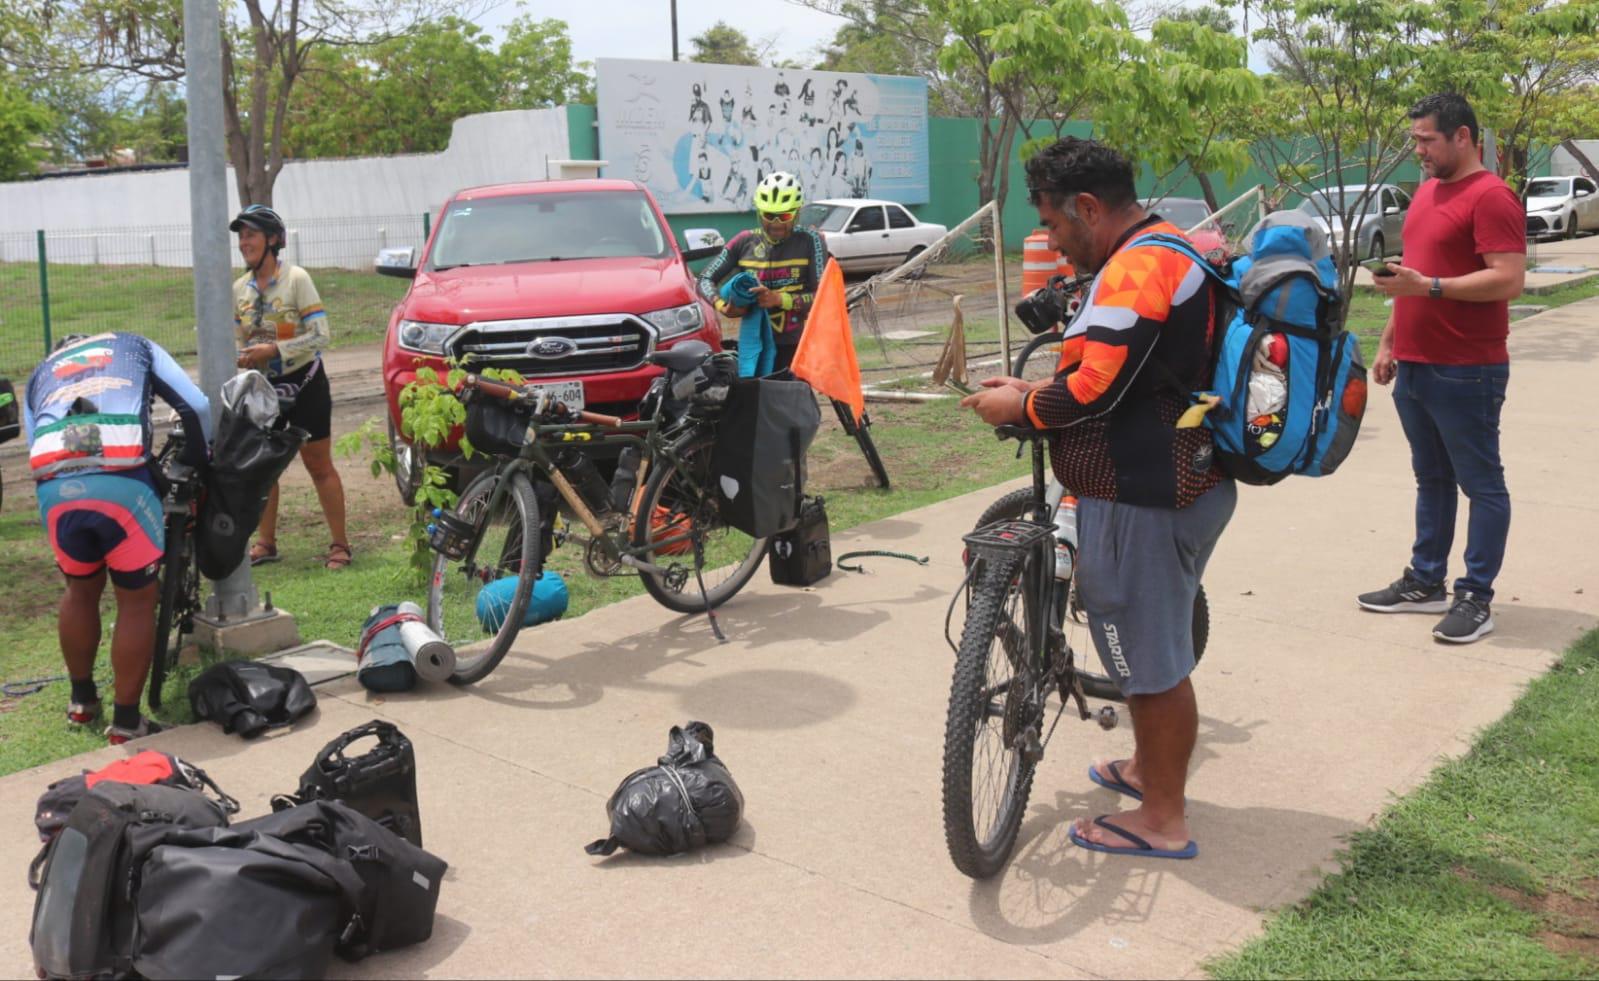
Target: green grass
x=159 y=303
x=1449 y=881
x=932 y=452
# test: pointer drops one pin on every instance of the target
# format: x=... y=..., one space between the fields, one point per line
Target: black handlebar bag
x=246 y=460
x=758 y=465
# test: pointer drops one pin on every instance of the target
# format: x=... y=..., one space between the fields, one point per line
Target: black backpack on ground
x=803 y=555
x=83 y=917
x=380 y=783
x=250 y=697
x=758 y=464
x=402 y=880
x=687 y=800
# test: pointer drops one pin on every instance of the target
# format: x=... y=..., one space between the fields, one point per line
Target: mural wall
x=701 y=136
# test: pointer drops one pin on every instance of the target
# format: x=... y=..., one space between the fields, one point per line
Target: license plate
x=569 y=393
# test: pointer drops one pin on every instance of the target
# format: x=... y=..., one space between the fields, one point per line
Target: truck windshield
x=548 y=228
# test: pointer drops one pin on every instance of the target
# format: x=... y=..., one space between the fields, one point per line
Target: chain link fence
x=87 y=281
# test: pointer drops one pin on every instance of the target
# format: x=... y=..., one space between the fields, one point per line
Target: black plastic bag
x=246 y=460
x=685 y=801
x=249 y=697
x=758 y=464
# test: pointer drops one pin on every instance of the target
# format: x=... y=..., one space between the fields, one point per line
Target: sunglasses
x=781 y=217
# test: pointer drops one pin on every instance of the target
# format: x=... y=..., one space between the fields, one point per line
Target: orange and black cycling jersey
x=1141 y=341
x=792 y=267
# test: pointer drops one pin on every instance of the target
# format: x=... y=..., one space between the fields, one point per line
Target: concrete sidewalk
x=829 y=709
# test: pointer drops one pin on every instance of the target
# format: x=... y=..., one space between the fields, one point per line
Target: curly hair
x=1449 y=112
x=1073 y=166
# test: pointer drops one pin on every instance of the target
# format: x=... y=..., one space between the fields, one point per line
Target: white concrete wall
x=1563 y=164
x=338 y=211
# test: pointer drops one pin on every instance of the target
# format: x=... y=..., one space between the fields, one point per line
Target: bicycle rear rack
x=1006 y=538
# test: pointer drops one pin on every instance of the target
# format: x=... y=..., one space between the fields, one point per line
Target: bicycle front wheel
x=996 y=709
x=678 y=514
x=477 y=604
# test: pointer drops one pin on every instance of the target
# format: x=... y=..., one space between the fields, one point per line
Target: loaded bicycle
x=179 y=577
x=658 y=518
x=1021 y=650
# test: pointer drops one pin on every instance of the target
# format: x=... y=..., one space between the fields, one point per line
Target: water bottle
x=1065 y=533
x=579 y=468
x=624 y=479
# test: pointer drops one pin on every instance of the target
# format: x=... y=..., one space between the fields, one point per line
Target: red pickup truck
x=572 y=283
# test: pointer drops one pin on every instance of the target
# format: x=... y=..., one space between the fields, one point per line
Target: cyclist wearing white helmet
x=786 y=259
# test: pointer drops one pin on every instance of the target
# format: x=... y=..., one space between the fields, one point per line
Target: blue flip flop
x=1139 y=847
x=1116 y=782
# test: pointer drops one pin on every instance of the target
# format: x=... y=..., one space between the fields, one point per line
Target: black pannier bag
x=496 y=426
x=380 y=783
x=232 y=902
x=804 y=554
x=246 y=460
x=758 y=464
x=402 y=880
x=250 y=697
x=687 y=800
x=83 y=917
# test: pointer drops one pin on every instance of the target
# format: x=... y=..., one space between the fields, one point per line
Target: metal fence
x=85 y=281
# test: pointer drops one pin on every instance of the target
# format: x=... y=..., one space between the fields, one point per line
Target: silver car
x=1377 y=226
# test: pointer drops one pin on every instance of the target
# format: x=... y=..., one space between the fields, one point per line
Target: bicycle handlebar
x=542 y=404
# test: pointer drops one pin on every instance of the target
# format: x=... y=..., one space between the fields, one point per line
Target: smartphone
x=959 y=387
x=1377 y=267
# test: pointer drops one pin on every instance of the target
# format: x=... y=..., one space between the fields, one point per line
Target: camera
x=1052 y=304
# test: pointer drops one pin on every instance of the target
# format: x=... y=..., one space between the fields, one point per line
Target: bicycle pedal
x=1108 y=717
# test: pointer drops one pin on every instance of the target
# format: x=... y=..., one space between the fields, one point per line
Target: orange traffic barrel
x=1039 y=261
x=1063 y=267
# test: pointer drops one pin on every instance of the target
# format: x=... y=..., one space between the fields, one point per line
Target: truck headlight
x=417 y=335
x=674 y=321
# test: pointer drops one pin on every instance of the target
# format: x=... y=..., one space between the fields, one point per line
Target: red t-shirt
x=1448 y=230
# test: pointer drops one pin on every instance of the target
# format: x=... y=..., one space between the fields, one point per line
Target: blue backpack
x=1288 y=381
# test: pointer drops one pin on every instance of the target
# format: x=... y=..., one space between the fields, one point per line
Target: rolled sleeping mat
x=396 y=646
x=433 y=658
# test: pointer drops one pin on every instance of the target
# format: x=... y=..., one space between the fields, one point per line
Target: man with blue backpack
x=1444 y=350
x=1152 y=501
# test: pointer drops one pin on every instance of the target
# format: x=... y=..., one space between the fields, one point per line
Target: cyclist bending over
x=1151 y=502
x=787 y=263
x=87 y=421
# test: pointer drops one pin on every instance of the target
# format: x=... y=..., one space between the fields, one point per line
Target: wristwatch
x=1437 y=290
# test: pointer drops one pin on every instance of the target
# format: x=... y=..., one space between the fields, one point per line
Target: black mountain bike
x=661 y=521
x=179 y=579
x=1025 y=642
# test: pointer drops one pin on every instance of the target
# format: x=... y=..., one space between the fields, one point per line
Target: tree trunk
x=1570 y=146
x=1208 y=190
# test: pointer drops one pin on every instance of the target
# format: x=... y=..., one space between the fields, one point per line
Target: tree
x=1204 y=15
x=1334 y=113
x=536 y=67
x=723 y=44
x=22 y=126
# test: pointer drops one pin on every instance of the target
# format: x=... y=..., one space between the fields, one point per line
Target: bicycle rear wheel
x=477 y=604
x=996 y=707
x=678 y=509
x=179 y=601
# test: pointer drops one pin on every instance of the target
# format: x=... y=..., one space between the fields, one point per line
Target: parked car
x=1377 y=227
x=1193 y=216
x=1561 y=206
x=571 y=283
x=866 y=235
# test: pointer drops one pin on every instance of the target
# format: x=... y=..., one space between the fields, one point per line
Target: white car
x=1561 y=206
x=866 y=235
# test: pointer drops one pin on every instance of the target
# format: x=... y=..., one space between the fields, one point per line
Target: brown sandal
x=263 y=552
x=339 y=556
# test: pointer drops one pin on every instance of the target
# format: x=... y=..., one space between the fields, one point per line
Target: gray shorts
x=1138 y=571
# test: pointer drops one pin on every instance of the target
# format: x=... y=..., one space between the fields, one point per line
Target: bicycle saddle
x=683 y=358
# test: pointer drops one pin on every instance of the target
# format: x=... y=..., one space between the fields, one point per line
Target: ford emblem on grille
x=552 y=348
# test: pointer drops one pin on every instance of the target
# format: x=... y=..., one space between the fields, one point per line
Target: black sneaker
x=1468 y=620
x=1407 y=594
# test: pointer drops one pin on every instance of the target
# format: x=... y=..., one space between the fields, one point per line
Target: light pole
x=674 y=30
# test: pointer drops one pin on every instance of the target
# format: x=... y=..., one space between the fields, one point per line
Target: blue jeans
x=1450 y=414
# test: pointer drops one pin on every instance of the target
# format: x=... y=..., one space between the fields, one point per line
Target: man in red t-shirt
x=1444 y=349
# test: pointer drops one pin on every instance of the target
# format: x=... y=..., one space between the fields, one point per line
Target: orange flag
x=826 y=353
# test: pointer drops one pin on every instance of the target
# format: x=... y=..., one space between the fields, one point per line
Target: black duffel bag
x=687 y=800
x=83 y=917
x=758 y=464
x=246 y=461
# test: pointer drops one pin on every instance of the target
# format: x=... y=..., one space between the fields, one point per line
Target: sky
x=643 y=28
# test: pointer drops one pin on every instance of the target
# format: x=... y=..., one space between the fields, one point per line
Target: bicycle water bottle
x=1065 y=508
x=579 y=468
x=626 y=475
